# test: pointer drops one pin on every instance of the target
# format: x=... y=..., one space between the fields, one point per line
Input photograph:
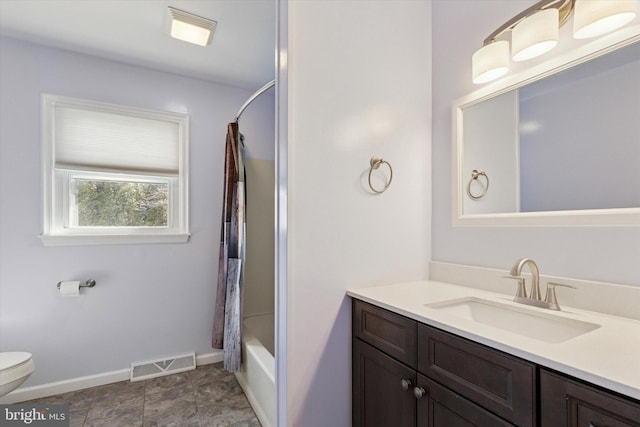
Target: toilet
x=15 y=368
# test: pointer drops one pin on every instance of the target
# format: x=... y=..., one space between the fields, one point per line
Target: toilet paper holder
x=88 y=284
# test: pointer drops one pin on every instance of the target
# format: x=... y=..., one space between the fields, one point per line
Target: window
x=113 y=174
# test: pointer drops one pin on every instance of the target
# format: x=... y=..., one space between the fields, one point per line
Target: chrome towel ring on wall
x=375 y=163
x=474 y=177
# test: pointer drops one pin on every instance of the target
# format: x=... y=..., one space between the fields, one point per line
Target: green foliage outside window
x=121 y=204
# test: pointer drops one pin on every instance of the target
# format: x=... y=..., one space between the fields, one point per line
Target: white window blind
x=102 y=140
x=113 y=173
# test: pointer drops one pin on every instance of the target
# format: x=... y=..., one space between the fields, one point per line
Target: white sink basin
x=542 y=326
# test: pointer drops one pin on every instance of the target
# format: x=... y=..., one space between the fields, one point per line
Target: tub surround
x=606 y=356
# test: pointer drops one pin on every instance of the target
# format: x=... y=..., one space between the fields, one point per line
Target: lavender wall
x=608 y=254
x=150 y=301
x=359 y=85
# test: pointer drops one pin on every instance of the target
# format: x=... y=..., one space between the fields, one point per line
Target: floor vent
x=160 y=368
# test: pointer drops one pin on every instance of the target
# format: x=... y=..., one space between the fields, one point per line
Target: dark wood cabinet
x=503 y=384
x=381 y=398
x=568 y=403
x=389 y=353
x=441 y=407
x=393 y=334
x=409 y=374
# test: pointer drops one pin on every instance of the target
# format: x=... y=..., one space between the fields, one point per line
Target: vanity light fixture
x=490 y=61
x=190 y=28
x=593 y=18
x=536 y=31
x=537 y=34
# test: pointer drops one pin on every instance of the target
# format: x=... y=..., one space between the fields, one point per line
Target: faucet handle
x=550 y=297
x=521 y=292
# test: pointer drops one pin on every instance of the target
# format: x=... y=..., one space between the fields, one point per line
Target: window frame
x=56 y=183
x=69 y=214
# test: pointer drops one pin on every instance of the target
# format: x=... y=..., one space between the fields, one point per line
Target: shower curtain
x=227 y=322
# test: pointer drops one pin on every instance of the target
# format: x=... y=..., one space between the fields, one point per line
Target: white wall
x=150 y=301
x=608 y=254
x=359 y=86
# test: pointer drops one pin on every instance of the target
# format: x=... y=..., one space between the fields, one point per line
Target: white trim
x=209 y=358
x=80 y=383
x=281 y=211
x=587 y=217
x=111 y=239
x=65 y=386
x=54 y=194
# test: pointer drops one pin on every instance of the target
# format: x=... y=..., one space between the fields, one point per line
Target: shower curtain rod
x=254 y=96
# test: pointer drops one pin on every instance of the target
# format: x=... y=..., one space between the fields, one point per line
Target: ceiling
x=241 y=52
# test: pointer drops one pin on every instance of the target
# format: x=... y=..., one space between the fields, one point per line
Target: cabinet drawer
x=565 y=402
x=501 y=383
x=387 y=331
x=440 y=407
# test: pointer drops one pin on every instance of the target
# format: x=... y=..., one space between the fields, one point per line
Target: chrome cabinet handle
x=418 y=392
x=405 y=384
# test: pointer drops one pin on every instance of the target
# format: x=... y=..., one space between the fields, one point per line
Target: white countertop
x=608 y=356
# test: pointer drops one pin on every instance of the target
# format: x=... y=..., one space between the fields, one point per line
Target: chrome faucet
x=550 y=300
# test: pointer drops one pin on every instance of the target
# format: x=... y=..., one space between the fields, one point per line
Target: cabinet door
x=379 y=399
x=567 y=403
x=503 y=384
x=441 y=407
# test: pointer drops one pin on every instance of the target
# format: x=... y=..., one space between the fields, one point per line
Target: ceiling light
x=535 y=31
x=190 y=28
x=593 y=18
x=535 y=35
x=490 y=62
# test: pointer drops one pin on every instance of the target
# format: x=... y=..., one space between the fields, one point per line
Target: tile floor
x=206 y=397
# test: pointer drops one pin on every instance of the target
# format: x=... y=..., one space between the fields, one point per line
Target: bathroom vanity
x=415 y=364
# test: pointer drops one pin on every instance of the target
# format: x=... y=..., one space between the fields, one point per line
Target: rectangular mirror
x=562 y=149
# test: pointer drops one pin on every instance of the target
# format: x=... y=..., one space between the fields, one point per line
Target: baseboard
x=65 y=386
x=39 y=391
x=209 y=358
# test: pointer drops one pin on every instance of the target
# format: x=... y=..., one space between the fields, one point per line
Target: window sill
x=111 y=239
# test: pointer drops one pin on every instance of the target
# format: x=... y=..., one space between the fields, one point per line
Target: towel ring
x=474 y=176
x=375 y=163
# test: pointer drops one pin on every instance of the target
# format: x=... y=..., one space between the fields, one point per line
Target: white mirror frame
x=587 y=217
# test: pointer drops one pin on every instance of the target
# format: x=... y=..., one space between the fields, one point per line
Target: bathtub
x=257 y=376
